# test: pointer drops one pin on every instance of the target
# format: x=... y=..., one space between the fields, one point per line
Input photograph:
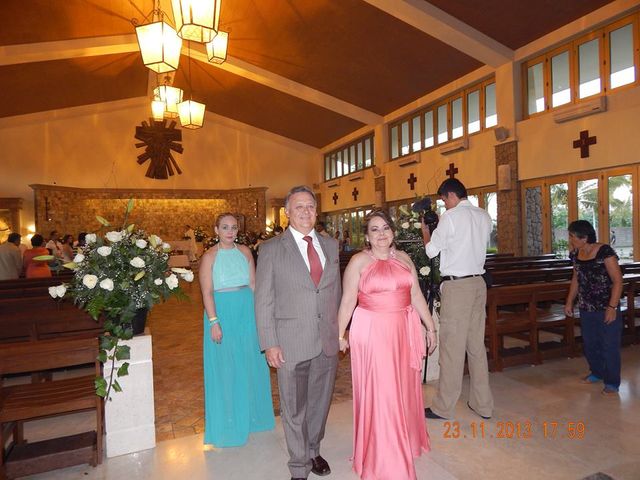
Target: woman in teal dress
x=237 y=387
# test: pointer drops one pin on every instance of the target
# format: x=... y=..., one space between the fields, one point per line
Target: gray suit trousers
x=305 y=396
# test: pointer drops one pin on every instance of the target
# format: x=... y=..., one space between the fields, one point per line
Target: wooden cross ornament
x=412 y=181
x=583 y=143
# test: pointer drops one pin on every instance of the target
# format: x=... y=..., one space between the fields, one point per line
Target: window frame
x=330 y=170
x=433 y=108
x=572 y=46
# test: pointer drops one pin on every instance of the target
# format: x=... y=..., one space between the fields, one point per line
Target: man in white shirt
x=461 y=238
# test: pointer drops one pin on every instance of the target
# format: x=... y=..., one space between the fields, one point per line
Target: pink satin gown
x=387 y=347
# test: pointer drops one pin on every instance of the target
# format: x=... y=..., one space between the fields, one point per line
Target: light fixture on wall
x=217 y=48
x=191 y=113
x=196 y=20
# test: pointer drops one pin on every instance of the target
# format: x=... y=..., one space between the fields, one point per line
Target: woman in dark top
x=597 y=282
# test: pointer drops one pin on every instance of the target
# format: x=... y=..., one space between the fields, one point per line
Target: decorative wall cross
x=412 y=181
x=452 y=171
x=583 y=143
x=335 y=198
x=355 y=194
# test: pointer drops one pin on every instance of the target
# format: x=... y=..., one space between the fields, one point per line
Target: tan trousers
x=462 y=328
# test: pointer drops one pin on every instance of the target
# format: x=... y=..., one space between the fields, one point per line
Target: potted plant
x=120 y=276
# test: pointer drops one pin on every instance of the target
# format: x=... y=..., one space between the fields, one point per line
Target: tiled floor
x=177 y=367
x=548 y=393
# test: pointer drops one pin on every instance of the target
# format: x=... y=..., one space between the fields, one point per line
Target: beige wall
x=93 y=147
x=545 y=148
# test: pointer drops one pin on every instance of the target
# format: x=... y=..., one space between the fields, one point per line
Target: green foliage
x=409 y=239
x=114 y=277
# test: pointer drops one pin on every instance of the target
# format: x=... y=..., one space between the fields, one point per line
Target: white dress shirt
x=461 y=237
x=302 y=245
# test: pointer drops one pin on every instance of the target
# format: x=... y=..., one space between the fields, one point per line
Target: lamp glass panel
x=160 y=46
x=157 y=109
x=196 y=20
x=217 y=48
x=191 y=114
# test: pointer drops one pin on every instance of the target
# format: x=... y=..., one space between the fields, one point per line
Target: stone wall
x=509 y=211
x=162 y=212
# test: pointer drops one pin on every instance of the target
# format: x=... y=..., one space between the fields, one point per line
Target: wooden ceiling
x=309 y=70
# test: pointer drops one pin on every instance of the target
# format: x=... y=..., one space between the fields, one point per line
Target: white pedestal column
x=130 y=414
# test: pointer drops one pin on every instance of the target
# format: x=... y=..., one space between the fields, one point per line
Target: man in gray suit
x=296 y=300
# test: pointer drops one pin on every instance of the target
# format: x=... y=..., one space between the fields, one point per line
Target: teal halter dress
x=237 y=387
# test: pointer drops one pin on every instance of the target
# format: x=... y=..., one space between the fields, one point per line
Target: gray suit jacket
x=291 y=312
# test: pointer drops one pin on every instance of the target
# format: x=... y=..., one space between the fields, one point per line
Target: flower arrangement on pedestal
x=409 y=239
x=118 y=276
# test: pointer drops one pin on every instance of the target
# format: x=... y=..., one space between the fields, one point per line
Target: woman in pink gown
x=387 y=348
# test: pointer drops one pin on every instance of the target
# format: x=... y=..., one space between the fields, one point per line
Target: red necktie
x=315 y=265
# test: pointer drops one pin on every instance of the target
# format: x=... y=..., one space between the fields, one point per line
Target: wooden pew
x=511 y=311
x=41 y=317
x=24 y=402
x=528 y=264
x=534 y=275
x=512 y=258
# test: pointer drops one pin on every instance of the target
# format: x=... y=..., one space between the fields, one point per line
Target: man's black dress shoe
x=320 y=466
x=298 y=478
x=431 y=414
x=486 y=418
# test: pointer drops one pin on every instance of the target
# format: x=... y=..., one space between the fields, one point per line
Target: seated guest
x=53 y=244
x=10 y=258
x=67 y=248
x=82 y=239
x=36 y=268
x=597 y=284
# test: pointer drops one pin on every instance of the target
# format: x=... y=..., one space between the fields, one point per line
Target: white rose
x=172 y=281
x=137 y=262
x=405 y=225
x=155 y=240
x=90 y=238
x=61 y=290
x=424 y=271
x=158 y=281
x=166 y=247
x=188 y=277
x=79 y=258
x=104 y=251
x=107 y=284
x=90 y=281
x=140 y=243
x=53 y=292
x=417 y=225
x=114 y=236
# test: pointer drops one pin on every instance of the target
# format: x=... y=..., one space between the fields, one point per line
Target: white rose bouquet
x=117 y=276
x=409 y=239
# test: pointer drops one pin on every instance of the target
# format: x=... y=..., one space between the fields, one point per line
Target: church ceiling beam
x=65 y=49
x=95 y=46
x=448 y=29
x=290 y=87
